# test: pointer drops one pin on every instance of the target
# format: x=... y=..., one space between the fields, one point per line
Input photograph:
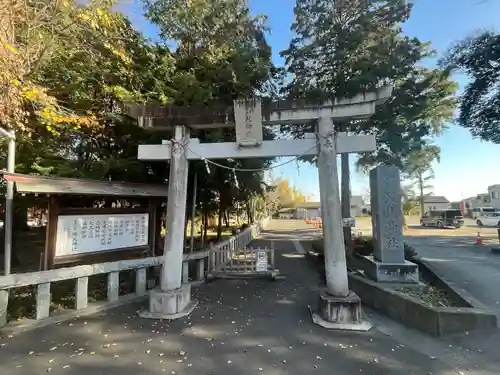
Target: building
x=357 y=205
x=480 y=200
x=312 y=210
x=308 y=210
x=494 y=195
x=435 y=202
x=286 y=213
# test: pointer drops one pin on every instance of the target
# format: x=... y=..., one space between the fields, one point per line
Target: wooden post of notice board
x=50 y=238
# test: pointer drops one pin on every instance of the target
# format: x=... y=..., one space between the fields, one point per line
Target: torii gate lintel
x=267 y=149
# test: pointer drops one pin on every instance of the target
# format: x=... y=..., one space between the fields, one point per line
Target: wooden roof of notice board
x=70 y=186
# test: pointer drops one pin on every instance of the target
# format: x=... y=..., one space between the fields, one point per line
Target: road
x=454 y=255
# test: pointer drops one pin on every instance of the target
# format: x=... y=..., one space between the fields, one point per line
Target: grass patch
x=430 y=295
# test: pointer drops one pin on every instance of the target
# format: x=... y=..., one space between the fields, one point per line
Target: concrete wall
x=438 y=321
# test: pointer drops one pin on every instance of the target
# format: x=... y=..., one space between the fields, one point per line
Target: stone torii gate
x=338 y=306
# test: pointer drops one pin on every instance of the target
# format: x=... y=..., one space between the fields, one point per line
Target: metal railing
x=43 y=279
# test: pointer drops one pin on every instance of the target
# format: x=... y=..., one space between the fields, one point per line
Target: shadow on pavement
x=241 y=327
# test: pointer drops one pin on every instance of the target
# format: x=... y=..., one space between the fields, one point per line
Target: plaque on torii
x=248 y=116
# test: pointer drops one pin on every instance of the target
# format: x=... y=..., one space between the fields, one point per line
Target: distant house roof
x=477 y=197
x=286 y=210
x=309 y=205
x=435 y=199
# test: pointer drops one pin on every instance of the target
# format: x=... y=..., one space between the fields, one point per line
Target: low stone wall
x=437 y=321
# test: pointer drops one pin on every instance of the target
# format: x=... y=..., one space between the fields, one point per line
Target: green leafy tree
x=419 y=169
x=221 y=51
x=479 y=58
x=422 y=103
x=343 y=48
x=220 y=54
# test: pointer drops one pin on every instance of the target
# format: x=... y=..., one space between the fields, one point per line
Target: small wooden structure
x=126 y=229
x=231 y=262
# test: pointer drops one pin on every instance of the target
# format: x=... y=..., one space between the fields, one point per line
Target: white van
x=481 y=211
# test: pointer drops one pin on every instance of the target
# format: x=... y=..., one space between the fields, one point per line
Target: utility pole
x=9 y=199
x=8 y=218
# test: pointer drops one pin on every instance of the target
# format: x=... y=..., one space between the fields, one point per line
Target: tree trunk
x=346 y=196
x=205 y=224
x=405 y=224
x=421 y=188
x=226 y=219
x=219 y=224
x=249 y=212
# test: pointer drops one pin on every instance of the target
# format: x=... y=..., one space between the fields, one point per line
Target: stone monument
x=388 y=263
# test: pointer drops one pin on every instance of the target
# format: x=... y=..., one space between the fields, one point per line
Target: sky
x=467 y=165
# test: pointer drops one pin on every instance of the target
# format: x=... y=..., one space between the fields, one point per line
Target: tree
x=407 y=202
x=422 y=103
x=221 y=53
x=35 y=34
x=343 y=48
x=63 y=66
x=419 y=169
x=282 y=195
x=91 y=60
x=479 y=58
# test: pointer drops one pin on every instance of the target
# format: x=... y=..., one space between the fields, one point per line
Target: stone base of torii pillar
x=342 y=313
x=170 y=304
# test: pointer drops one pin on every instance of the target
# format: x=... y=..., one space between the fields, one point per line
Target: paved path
x=241 y=327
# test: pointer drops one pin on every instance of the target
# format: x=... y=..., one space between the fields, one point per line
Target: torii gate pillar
x=173 y=299
x=338 y=307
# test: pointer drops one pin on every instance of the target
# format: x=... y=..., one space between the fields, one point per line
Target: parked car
x=442 y=219
x=476 y=212
x=489 y=220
